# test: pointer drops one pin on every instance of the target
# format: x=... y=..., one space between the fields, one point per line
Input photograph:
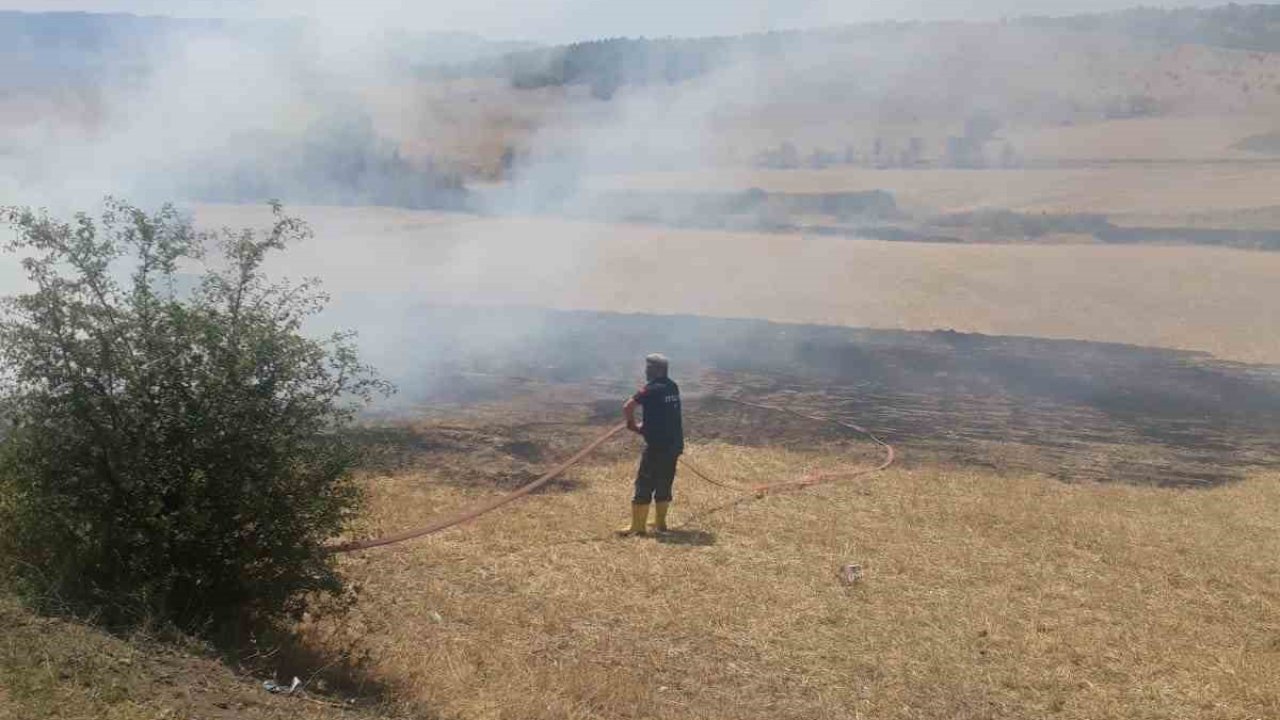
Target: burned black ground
x=1073 y=410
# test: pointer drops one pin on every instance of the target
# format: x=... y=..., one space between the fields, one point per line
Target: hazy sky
x=561 y=20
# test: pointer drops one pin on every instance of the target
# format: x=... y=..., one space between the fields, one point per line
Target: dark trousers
x=657 y=473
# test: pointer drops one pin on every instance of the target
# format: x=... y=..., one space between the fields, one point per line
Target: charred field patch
x=1073 y=410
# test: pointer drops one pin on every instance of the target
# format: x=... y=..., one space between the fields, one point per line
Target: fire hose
x=482 y=508
x=813 y=478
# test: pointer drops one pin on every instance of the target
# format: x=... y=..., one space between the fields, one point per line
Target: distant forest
x=39 y=48
x=1237 y=27
x=343 y=160
x=606 y=65
x=338 y=160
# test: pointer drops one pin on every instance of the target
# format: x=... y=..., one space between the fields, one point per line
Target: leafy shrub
x=172 y=445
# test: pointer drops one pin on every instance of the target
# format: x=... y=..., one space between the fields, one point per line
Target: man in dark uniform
x=663 y=442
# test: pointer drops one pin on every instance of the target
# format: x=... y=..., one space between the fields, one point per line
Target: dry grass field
x=982 y=596
x=1191 y=298
x=1150 y=188
x=59 y=668
x=984 y=593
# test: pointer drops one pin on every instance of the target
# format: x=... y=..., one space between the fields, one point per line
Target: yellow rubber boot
x=660 y=516
x=639 y=515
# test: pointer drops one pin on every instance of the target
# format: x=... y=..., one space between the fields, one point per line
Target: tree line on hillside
x=977 y=146
x=609 y=64
x=340 y=161
x=606 y=65
x=75 y=48
x=1240 y=27
x=79 y=47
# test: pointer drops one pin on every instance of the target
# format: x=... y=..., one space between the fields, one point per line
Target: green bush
x=172 y=446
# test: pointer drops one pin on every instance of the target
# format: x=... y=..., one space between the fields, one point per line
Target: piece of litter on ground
x=272 y=686
x=850 y=574
x=436 y=617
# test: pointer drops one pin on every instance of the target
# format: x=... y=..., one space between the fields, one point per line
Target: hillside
x=79 y=48
x=608 y=64
x=896 y=95
x=58 y=668
x=898 y=98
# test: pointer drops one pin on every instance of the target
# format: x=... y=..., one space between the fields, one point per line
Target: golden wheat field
x=1118 y=190
x=1193 y=298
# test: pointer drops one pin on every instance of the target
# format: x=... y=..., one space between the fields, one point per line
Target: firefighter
x=663 y=436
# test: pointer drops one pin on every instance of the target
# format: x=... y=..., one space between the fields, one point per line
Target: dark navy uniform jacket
x=662 y=426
